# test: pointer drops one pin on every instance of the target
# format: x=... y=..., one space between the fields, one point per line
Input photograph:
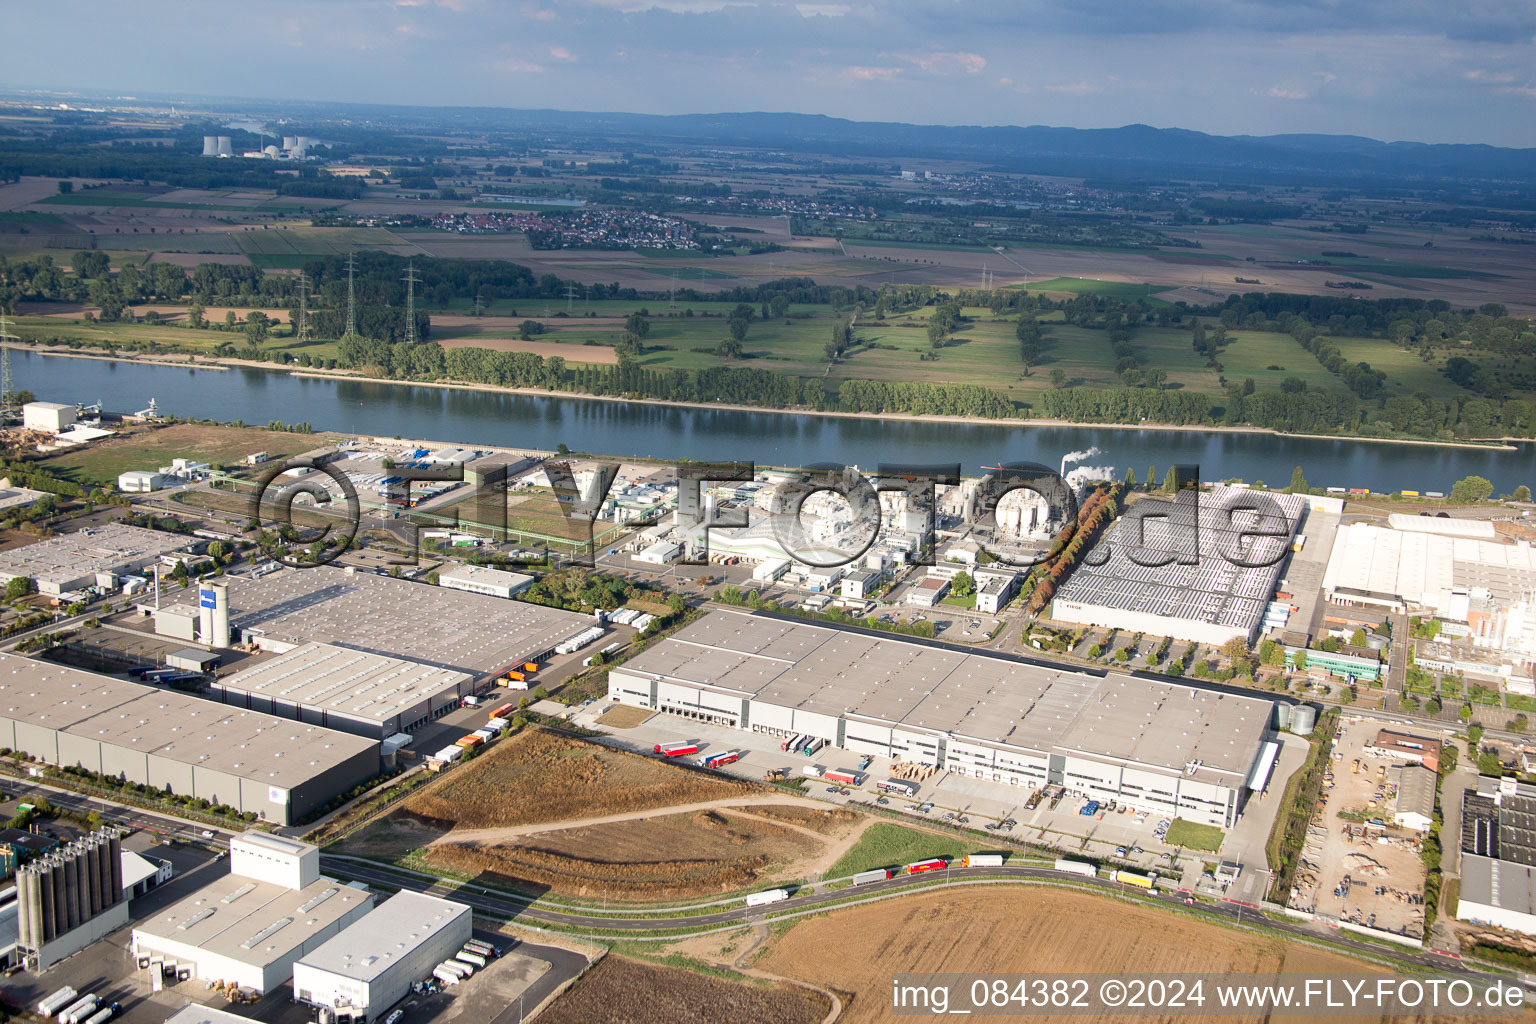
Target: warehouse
x=93 y=557
x=1158 y=746
x=1446 y=574
x=416 y=621
x=281 y=771
x=370 y=967
x=48 y=417
x=1215 y=597
x=354 y=691
x=1497 y=893
x=480 y=579
x=250 y=926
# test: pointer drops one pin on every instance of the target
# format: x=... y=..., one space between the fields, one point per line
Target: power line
x=302 y=328
x=351 y=295
x=410 y=280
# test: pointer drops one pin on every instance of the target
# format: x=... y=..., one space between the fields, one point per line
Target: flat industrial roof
x=974 y=696
x=1425 y=568
x=252 y=922
x=1214 y=589
x=455 y=629
x=343 y=681
x=105 y=548
x=249 y=744
x=1498 y=883
x=390 y=931
x=486 y=575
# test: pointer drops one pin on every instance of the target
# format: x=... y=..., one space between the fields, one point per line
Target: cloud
x=519 y=66
x=542 y=14
x=944 y=63
x=1282 y=93
x=561 y=53
x=866 y=73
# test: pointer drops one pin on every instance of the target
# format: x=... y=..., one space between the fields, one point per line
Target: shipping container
x=1135 y=878
x=1076 y=867
x=530 y=666
x=677 y=749
x=984 y=860
x=505 y=711
x=513 y=675
x=918 y=867
x=468 y=742
x=758 y=899
x=875 y=875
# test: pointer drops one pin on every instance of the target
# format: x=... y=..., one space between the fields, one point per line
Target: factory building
x=250 y=926
x=69 y=898
x=480 y=579
x=278 y=770
x=369 y=967
x=1222 y=564
x=1159 y=746
x=995 y=589
x=48 y=417
x=93 y=557
x=418 y=622
x=338 y=688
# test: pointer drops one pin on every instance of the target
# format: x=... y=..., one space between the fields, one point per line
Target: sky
x=1422 y=70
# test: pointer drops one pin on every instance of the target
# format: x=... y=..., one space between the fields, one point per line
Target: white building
x=927 y=592
x=660 y=553
x=480 y=579
x=1497 y=893
x=1416 y=789
x=770 y=570
x=1162 y=747
x=49 y=417
x=860 y=583
x=250 y=926
x=368 y=968
x=994 y=590
x=142 y=481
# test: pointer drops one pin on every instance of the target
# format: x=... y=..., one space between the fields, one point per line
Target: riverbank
x=182 y=360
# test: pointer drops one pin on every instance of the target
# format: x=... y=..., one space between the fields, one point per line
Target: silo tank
x=1303 y=719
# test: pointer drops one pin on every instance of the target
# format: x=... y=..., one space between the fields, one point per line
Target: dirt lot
x=539 y=776
x=614 y=991
x=673 y=856
x=1330 y=855
x=1016 y=931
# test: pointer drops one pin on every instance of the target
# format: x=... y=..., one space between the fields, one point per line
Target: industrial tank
x=1303 y=719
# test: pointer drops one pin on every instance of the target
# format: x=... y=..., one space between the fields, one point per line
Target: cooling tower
x=210 y=145
x=290 y=141
x=226 y=146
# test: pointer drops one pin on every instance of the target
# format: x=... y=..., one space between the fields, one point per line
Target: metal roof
x=342 y=681
x=110 y=547
x=390 y=931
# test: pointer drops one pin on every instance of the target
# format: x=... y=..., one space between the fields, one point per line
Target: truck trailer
x=846 y=776
x=1135 y=878
x=77 y=1011
x=918 y=867
x=984 y=860
x=722 y=759
x=759 y=899
x=677 y=749
x=56 y=1002
x=1076 y=867
x=873 y=875
x=444 y=975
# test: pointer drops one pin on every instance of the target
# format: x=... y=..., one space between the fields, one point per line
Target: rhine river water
x=767 y=438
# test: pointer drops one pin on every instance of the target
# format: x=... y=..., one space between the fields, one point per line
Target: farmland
x=614 y=990
x=151 y=447
x=1018 y=930
x=539 y=776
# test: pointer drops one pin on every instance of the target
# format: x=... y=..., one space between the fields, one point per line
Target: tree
x=1298 y=482
x=66 y=186
x=1519 y=723
x=1171 y=481
x=1474 y=734
x=1522 y=493
x=1058 y=376
x=1272 y=654
x=1130 y=479
x=962 y=585
x=90 y=264
x=1299 y=659
x=1471 y=489
x=738 y=327
x=19 y=587
x=1357 y=638
x=938 y=333
x=637 y=324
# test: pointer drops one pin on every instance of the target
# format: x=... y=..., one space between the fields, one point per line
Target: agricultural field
x=142 y=447
x=291 y=247
x=694 y=854
x=1018 y=930
x=613 y=991
x=539 y=776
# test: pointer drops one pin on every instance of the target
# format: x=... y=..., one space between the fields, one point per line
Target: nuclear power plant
x=294 y=147
x=70 y=898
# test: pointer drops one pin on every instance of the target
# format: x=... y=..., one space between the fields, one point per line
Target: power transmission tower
x=478 y=308
x=7 y=388
x=410 y=304
x=302 y=328
x=570 y=295
x=351 y=295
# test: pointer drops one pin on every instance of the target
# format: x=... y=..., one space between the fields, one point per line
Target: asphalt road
x=741 y=916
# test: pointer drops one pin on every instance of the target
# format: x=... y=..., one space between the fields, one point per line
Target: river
x=644 y=429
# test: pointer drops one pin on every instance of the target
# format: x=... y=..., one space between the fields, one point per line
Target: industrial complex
x=1152 y=744
x=89 y=558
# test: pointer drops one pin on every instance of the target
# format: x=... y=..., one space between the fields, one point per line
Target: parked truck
x=444 y=975
x=56 y=1002
x=791 y=743
x=470 y=957
x=722 y=759
x=677 y=749
x=760 y=899
x=846 y=776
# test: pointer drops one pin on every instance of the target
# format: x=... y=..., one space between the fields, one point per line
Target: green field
x=147 y=336
x=312 y=241
x=887 y=845
x=108 y=198
x=1250 y=354
x=1125 y=290
x=152 y=447
x=1406 y=373
x=1195 y=836
x=1397 y=268
x=892 y=243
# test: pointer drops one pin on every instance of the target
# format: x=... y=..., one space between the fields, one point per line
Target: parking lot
x=1361 y=868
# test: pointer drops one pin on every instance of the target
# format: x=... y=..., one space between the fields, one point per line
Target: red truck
x=846 y=776
x=677 y=749
x=937 y=864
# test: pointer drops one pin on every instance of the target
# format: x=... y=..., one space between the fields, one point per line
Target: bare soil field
x=539 y=776
x=1018 y=930
x=616 y=990
x=27 y=191
x=673 y=856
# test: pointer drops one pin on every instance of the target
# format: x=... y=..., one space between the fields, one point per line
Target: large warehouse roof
x=417 y=621
x=1215 y=589
x=253 y=922
x=344 y=681
x=1498 y=883
x=1423 y=568
x=274 y=751
x=390 y=931
x=978 y=696
x=107 y=548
